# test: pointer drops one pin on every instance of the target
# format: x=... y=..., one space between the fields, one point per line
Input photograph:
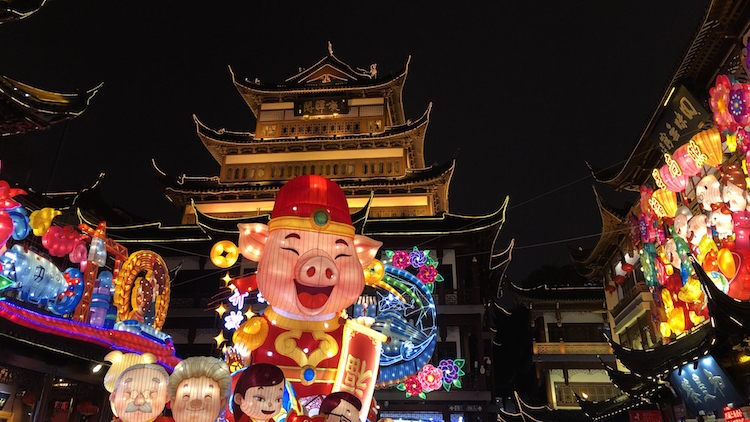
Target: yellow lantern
x=677 y=320
x=224 y=254
x=665 y=330
x=41 y=220
x=706 y=245
x=709 y=145
x=664 y=203
x=726 y=263
x=374 y=272
x=691 y=292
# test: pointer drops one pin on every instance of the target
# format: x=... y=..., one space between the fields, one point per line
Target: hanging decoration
x=224 y=254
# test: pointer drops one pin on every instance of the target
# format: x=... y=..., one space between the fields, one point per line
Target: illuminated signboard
x=704 y=388
x=733 y=415
x=321 y=106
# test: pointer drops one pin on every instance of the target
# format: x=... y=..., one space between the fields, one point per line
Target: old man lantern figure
x=310 y=268
x=140 y=393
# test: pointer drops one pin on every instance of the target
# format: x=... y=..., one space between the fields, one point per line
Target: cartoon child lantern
x=199 y=389
x=259 y=394
x=310 y=268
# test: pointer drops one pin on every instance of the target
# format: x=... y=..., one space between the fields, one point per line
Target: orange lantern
x=727 y=263
x=709 y=144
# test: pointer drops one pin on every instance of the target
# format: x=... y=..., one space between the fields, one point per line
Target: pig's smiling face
x=310 y=273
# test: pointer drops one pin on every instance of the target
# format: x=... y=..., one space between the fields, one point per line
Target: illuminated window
x=351 y=169
x=261 y=172
x=312 y=169
x=297 y=170
x=289 y=171
x=308 y=129
x=281 y=172
x=324 y=129
x=348 y=127
x=356 y=126
x=229 y=173
x=316 y=129
x=269 y=130
x=304 y=170
x=332 y=128
x=594 y=391
x=372 y=168
x=273 y=172
x=284 y=130
x=252 y=173
x=292 y=130
x=364 y=168
x=340 y=128
x=390 y=168
x=397 y=166
x=328 y=169
x=244 y=173
x=236 y=174
x=380 y=168
x=335 y=169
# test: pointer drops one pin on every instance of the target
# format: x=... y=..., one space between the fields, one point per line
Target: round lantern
x=709 y=144
x=686 y=161
x=674 y=182
x=224 y=254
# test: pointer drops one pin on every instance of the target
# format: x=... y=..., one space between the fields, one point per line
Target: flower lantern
x=430 y=377
x=720 y=103
x=738 y=106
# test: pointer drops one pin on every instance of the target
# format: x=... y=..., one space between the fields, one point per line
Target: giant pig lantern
x=310 y=268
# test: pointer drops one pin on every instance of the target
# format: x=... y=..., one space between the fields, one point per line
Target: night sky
x=529 y=91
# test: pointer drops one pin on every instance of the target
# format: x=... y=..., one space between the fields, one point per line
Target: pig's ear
x=366 y=249
x=253 y=239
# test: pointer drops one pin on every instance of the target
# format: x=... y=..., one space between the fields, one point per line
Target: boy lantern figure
x=199 y=388
x=310 y=267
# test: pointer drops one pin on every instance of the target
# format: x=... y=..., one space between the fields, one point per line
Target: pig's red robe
x=308 y=352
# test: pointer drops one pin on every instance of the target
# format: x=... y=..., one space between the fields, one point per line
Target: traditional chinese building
x=334 y=120
x=11 y=10
x=650 y=357
x=24 y=107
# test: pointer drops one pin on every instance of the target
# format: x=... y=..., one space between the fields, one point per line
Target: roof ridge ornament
x=330 y=49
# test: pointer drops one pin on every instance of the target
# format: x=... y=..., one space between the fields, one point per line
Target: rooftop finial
x=330 y=49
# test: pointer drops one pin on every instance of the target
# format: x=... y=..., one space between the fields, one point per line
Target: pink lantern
x=687 y=163
x=674 y=183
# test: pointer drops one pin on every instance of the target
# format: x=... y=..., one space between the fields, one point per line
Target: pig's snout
x=316 y=268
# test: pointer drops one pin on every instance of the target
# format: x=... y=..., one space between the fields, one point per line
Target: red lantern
x=87 y=408
x=610 y=288
x=619 y=279
x=29 y=399
x=628 y=268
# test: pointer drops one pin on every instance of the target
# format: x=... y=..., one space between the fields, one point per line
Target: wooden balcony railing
x=571 y=348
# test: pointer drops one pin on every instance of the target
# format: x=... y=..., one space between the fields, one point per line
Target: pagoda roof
x=546 y=414
x=605 y=409
x=179 y=189
x=411 y=134
x=505 y=416
x=632 y=384
x=24 y=107
x=588 y=262
x=660 y=360
x=720 y=32
x=328 y=75
x=545 y=294
x=730 y=316
x=11 y=10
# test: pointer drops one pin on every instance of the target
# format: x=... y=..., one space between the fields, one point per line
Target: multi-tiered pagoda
x=349 y=125
x=332 y=120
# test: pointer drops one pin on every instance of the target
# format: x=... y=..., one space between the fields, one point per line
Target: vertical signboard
x=704 y=388
x=680 y=120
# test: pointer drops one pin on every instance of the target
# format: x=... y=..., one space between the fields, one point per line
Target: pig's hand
x=251 y=335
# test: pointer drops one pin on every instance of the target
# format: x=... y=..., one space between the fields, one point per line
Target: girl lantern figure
x=697 y=228
x=310 y=268
x=259 y=393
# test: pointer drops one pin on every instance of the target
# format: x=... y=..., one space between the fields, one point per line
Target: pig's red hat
x=312 y=203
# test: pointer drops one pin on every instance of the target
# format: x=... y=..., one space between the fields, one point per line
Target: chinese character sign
x=682 y=118
x=704 y=388
x=358 y=367
x=321 y=106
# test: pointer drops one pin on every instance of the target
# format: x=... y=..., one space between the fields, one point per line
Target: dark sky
x=527 y=90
